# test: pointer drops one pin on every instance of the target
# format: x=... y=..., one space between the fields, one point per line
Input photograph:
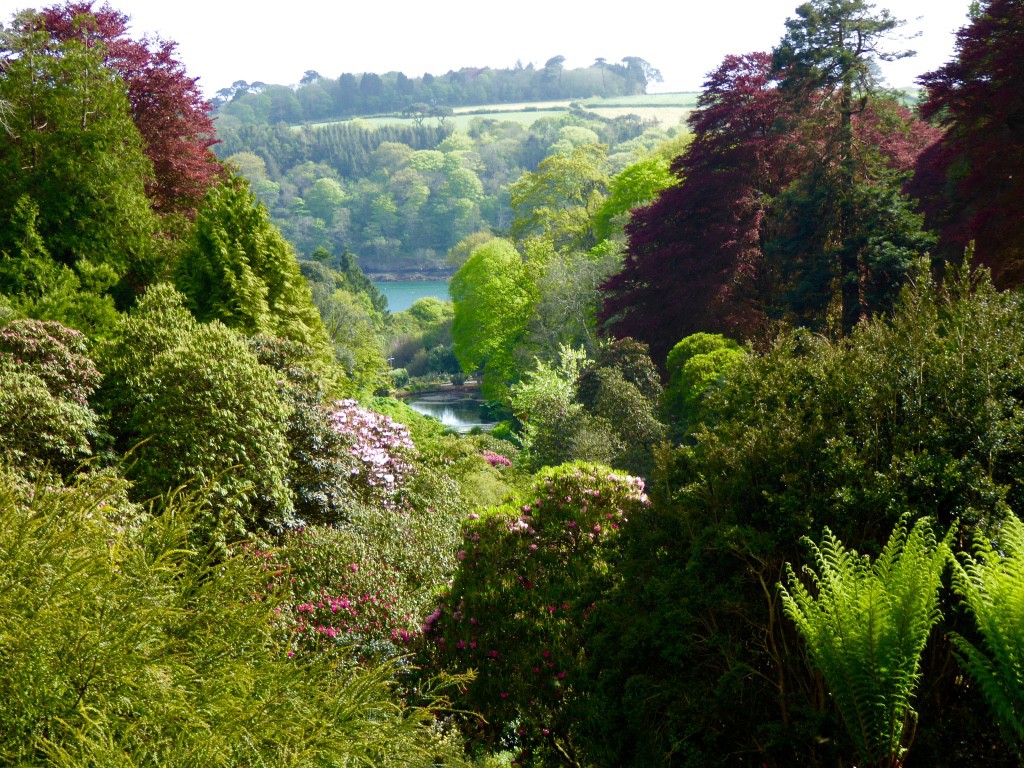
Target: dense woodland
x=755 y=494
x=401 y=197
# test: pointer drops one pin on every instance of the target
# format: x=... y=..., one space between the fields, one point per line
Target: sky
x=221 y=41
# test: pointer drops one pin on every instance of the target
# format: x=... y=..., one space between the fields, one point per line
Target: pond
x=456 y=410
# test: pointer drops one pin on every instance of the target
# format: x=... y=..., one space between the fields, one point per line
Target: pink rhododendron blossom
x=381 y=446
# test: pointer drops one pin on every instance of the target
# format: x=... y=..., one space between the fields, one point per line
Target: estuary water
x=402 y=293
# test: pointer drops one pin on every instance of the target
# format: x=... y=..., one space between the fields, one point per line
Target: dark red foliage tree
x=167 y=106
x=979 y=100
x=694 y=259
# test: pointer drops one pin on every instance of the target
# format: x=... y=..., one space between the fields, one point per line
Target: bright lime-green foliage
x=992 y=585
x=630 y=188
x=204 y=410
x=545 y=403
x=354 y=329
x=694 y=365
x=865 y=628
x=240 y=270
x=123 y=644
x=531 y=572
x=26 y=272
x=556 y=202
x=494 y=295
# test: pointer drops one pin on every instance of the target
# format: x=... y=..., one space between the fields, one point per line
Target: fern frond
x=865 y=629
x=992 y=585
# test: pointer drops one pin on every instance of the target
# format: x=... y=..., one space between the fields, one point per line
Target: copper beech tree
x=166 y=104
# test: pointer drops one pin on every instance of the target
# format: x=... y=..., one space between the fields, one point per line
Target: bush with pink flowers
x=383 y=450
x=334 y=595
x=530 y=573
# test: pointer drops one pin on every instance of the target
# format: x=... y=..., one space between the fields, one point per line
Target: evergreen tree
x=826 y=62
x=239 y=269
x=75 y=152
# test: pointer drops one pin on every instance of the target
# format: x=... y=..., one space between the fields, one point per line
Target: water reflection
x=456 y=411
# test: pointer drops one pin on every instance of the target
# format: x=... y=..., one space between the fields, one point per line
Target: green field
x=669 y=109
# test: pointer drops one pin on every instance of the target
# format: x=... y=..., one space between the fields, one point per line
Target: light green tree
x=494 y=295
x=558 y=200
x=324 y=198
x=694 y=365
x=239 y=269
x=632 y=187
x=545 y=403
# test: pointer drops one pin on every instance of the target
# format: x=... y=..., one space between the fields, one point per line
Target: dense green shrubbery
x=919 y=412
x=202 y=410
x=124 y=644
x=600 y=410
x=694 y=364
x=46 y=379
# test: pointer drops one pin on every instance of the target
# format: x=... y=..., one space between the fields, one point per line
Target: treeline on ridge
x=322 y=98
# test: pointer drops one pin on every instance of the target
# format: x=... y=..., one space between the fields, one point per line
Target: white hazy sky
x=221 y=41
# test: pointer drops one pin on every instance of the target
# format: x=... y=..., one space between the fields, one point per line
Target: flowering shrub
x=127 y=643
x=383 y=448
x=55 y=353
x=45 y=383
x=496 y=459
x=333 y=595
x=530 y=574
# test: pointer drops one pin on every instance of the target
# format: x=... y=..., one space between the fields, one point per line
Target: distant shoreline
x=408 y=277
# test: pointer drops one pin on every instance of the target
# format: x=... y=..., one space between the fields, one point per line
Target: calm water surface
x=402 y=293
x=456 y=410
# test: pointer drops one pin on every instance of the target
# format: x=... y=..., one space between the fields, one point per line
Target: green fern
x=992 y=585
x=865 y=630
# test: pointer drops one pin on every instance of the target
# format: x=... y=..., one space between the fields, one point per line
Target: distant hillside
x=318 y=98
x=399 y=191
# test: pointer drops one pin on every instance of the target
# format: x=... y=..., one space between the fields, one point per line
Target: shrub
x=45 y=383
x=321 y=462
x=203 y=412
x=694 y=365
x=128 y=645
x=530 y=574
x=382 y=447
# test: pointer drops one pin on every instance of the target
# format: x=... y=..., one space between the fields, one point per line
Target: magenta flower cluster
x=496 y=459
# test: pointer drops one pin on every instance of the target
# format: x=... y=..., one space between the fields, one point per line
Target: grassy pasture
x=667 y=108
